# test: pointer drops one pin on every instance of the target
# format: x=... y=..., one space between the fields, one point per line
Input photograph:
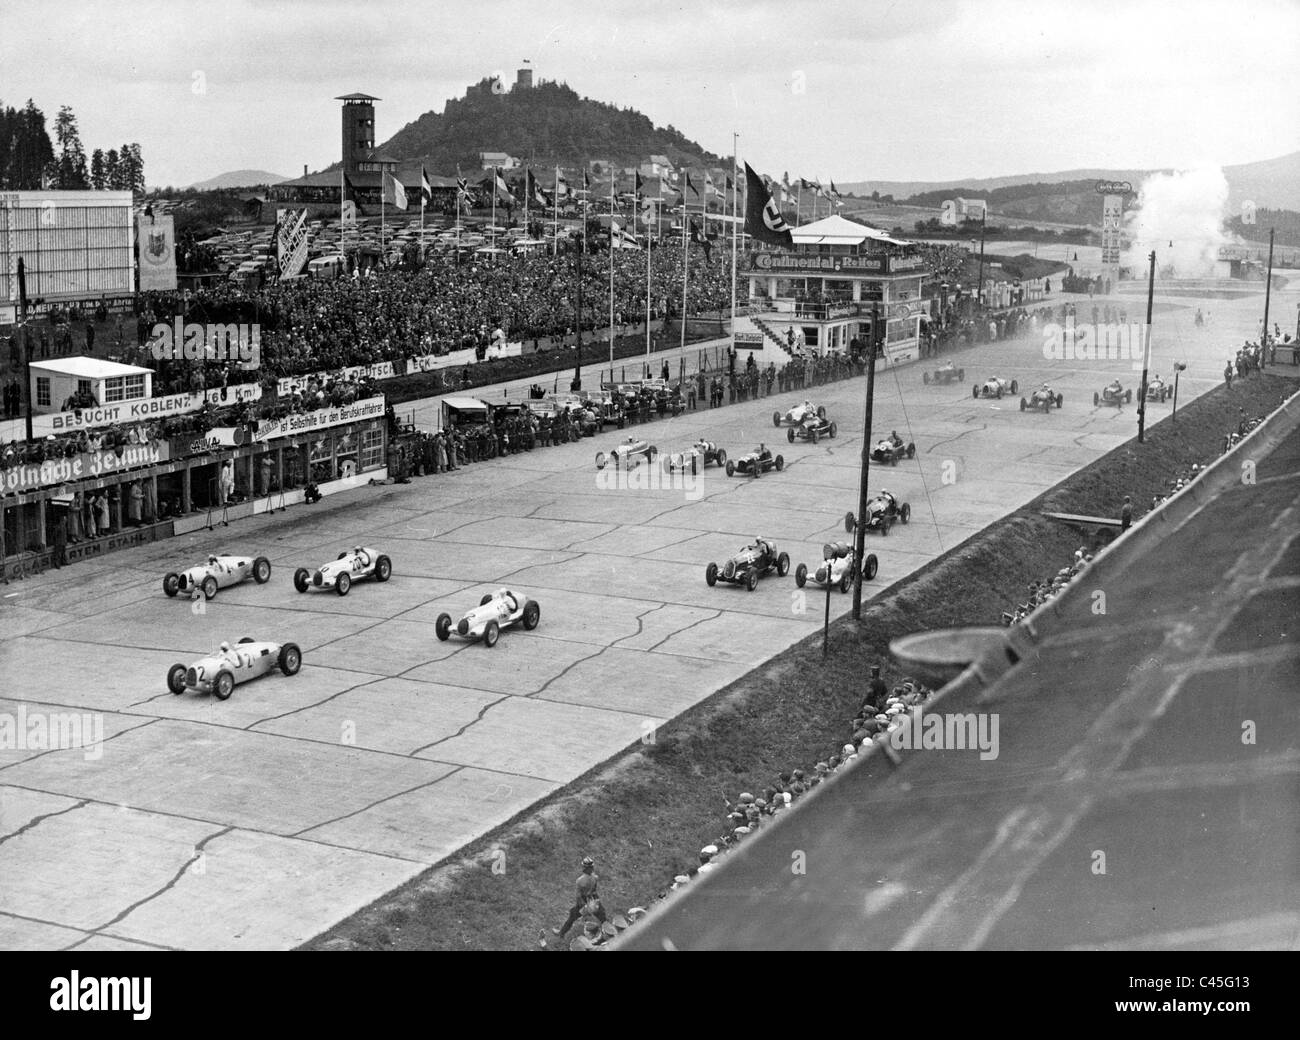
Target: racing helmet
x=225 y=648
x=212 y=558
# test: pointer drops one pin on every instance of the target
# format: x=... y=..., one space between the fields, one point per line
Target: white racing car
x=627 y=454
x=227 y=666
x=798 y=414
x=839 y=563
x=219 y=572
x=496 y=610
x=354 y=563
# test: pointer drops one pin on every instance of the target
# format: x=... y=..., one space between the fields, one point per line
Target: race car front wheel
x=172 y=584
x=870 y=567
x=731 y=468
x=751 y=580
x=789 y=434
x=780 y=463
x=532 y=615
x=261 y=570
x=224 y=685
x=342 y=584
x=801 y=575
x=176 y=678
x=711 y=575
x=442 y=627
x=783 y=565
x=776 y=418
x=491 y=634
x=290 y=659
x=905 y=514
x=209 y=587
x=975 y=392
x=302 y=579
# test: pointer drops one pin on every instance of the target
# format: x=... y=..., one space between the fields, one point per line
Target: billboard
x=157 y=247
x=75 y=245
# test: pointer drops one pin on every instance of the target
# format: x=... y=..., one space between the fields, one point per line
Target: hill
x=238 y=179
x=544 y=125
x=1271 y=182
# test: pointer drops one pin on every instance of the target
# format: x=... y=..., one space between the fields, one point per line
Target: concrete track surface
x=259 y=821
x=1145 y=794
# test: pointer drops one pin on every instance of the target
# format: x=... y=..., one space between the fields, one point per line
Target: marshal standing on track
x=588 y=881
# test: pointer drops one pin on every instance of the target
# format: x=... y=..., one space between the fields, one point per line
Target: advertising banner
x=85 y=466
x=322 y=418
x=380 y=370
x=157 y=245
x=143 y=409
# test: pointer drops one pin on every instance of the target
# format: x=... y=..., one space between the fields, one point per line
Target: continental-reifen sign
x=801 y=263
x=322 y=418
x=87 y=466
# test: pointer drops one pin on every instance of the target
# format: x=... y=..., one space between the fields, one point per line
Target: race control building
x=823 y=292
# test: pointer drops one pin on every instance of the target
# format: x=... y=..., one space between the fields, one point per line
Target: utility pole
x=860 y=532
x=979 y=292
x=27 y=342
x=1268 y=289
x=577 y=357
x=1146 y=352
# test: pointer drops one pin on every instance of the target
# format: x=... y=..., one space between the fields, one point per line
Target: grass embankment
x=645 y=814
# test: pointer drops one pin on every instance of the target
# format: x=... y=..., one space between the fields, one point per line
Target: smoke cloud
x=1186 y=209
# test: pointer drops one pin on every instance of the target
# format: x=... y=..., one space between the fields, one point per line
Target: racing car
x=995 y=387
x=946 y=374
x=218 y=572
x=760 y=460
x=227 y=666
x=839 y=563
x=811 y=428
x=891 y=449
x=339 y=574
x=495 y=611
x=1042 y=398
x=797 y=414
x=628 y=454
x=1158 y=390
x=695 y=458
x=1114 y=394
x=749 y=564
x=883 y=512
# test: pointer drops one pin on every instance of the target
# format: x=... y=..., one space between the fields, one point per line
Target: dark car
x=946 y=374
x=1044 y=397
x=811 y=428
x=1113 y=395
x=884 y=511
x=891 y=449
x=760 y=460
x=749 y=564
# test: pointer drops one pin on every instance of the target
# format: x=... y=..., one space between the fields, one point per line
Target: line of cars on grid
x=1044 y=398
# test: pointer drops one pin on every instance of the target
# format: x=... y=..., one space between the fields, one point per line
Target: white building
x=492 y=160
x=108 y=382
x=972 y=209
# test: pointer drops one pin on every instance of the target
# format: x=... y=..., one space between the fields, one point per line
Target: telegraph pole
x=1268 y=289
x=860 y=532
x=1146 y=352
x=27 y=342
x=979 y=292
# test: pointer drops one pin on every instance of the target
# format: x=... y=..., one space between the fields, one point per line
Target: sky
x=865 y=90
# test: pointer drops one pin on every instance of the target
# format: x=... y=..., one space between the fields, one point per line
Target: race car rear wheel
x=870 y=567
x=821 y=411
x=487 y=598
x=209 y=587
x=776 y=418
x=711 y=575
x=911 y=451
x=834 y=429
x=1022 y=404
x=722 y=457
x=751 y=579
x=532 y=614
x=491 y=634
x=789 y=434
x=442 y=627
x=850 y=522
x=975 y=392
x=290 y=659
x=780 y=463
x=905 y=513
x=845 y=581
x=261 y=570
x=172 y=584
x=343 y=583
x=1015 y=387
x=783 y=565
x=176 y=678
x=801 y=575
x=383 y=568
x=224 y=685
x=731 y=468
x=302 y=579
x=1059 y=399
x=1096 y=399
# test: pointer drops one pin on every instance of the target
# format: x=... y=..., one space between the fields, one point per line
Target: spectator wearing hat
x=1126 y=514
x=587 y=885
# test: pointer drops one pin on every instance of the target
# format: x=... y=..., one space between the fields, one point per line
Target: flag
x=690 y=184
x=426 y=189
x=501 y=186
x=394 y=193
x=639 y=186
x=834 y=191
x=702 y=240
x=730 y=185
x=586 y=181
x=785 y=180
x=561 y=185
x=763 y=221
x=666 y=189
x=804 y=185
x=709 y=189
x=534 y=190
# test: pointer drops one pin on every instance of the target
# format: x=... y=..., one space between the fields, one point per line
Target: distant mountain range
x=238 y=179
x=1272 y=183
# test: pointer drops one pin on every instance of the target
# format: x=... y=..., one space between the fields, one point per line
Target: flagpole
x=555 y=225
x=735 y=138
x=496 y=177
x=528 y=190
x=611 y=266
x=382 y=200
x=798 y=202
x=647 y=280
x=686 y=262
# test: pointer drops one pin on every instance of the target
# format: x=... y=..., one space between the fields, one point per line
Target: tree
x=97 y=174
x=68 y=169
x=25 y=148
x=113 y=170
